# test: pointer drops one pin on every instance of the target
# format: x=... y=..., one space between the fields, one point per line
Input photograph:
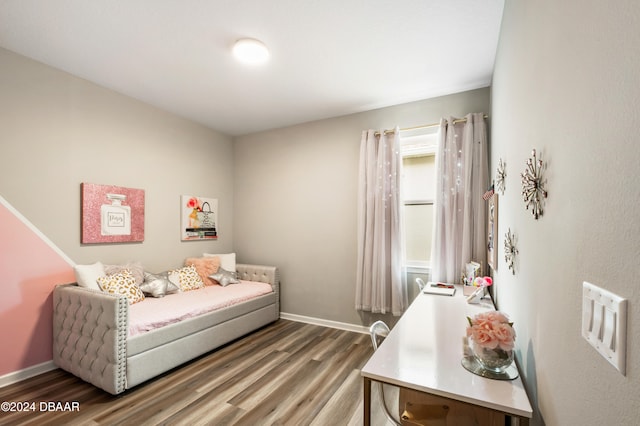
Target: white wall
x=566 y=83
x=296 y=196
x=57 y=131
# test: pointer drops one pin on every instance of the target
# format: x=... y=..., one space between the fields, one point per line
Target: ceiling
x=328 y=57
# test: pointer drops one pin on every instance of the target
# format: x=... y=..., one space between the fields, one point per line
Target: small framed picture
x=199 y=218
x=471 y=271
x=492 y=232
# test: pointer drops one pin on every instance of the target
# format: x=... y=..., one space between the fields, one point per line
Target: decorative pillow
x=225 y=277
x=135 y=268
x=205 y=266
x=186 y=278
x=122 y=283
x=227 y=261
x=87 y=275
x=158 y=285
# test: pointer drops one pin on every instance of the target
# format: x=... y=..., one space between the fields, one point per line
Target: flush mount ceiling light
x=250 y=51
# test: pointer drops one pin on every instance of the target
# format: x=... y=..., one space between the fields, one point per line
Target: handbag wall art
x=199 y=218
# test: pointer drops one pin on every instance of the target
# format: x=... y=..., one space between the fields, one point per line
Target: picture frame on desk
x=472 y=270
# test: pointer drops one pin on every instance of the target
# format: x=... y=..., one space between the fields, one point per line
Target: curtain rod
x=425 y=126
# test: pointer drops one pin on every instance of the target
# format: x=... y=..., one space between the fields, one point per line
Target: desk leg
x=367 y=402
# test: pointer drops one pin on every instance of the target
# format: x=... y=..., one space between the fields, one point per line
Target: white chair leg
x=380 y=330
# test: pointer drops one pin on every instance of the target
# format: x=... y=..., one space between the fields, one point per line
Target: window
x=418 y=185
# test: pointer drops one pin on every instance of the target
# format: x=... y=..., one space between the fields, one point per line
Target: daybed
x=92 y=337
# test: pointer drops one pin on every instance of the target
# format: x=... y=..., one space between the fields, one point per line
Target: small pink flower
x=505 y=336
x=484 y=338
x=482 y=282
x=194 y=203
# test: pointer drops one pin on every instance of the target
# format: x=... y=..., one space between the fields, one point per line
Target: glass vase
x=495 y=360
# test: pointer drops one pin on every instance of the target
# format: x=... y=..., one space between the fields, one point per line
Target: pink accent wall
x=29 y=269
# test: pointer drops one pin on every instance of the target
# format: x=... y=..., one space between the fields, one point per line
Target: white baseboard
x=325 y=323
x=34 y=370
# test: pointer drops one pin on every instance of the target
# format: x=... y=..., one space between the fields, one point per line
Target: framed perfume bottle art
x=111 y=214
x=115 y=217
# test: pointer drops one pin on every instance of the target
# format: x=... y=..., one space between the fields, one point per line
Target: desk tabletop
x=425 y=349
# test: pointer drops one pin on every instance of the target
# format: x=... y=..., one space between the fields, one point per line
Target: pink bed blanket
x=154 y=313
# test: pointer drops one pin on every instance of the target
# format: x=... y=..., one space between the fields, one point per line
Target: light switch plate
x=604 y=323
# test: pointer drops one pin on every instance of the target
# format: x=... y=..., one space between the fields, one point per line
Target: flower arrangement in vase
x=491 y=339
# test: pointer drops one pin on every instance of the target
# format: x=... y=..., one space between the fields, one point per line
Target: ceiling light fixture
x=250 y=51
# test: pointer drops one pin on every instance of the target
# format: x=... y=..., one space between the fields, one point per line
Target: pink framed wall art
x=111 y=214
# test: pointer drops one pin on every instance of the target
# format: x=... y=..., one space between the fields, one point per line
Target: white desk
x=423 y=352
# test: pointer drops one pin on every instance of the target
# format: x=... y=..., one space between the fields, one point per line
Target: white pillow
x=227 y=261
x=87 y=275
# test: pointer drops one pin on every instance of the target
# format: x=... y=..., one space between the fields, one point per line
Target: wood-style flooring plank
x=287 y=373
x=335 y=371
x=341 y=405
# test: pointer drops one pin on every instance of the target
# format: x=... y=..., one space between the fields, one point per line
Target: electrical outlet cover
x=604 y=323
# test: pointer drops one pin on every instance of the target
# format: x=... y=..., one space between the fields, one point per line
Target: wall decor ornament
x=199 y=218
x=510 y=250
x=111 y=214
x=501 y=174
x=532 y=187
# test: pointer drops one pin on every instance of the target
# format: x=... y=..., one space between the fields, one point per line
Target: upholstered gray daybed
x=91 y=337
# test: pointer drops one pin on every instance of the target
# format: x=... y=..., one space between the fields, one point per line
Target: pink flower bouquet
x=492 y=339
x=492 y=330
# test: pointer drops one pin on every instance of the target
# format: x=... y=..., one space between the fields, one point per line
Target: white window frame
x=418 y=145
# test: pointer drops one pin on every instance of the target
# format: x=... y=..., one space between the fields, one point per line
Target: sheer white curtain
x=462 y=179
x=380 y=279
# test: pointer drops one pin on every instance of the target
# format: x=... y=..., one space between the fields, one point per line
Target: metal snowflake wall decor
x=510 y=250
x=500 y=176
x=532 y=188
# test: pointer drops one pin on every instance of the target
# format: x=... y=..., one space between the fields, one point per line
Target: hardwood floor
x=287 y=373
